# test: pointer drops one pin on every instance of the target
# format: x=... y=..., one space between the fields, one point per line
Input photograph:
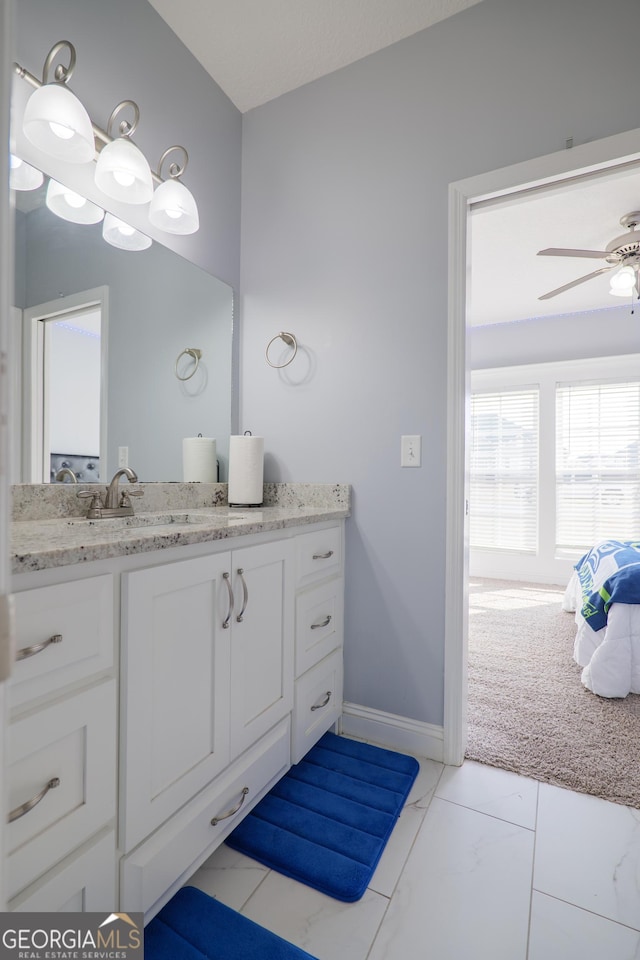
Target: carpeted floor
x=528 y=710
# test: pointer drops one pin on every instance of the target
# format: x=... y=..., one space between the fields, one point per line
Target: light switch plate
x=411 y=451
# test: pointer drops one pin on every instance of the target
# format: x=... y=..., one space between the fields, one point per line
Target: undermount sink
x=166 y=518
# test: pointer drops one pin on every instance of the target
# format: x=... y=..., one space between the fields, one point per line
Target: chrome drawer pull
x=27 y=652
x=230 y=813
x=30 y=804
x=323 y=556
x=325 y=623
x=245 y=595
x=225 y=622
x=319 y=706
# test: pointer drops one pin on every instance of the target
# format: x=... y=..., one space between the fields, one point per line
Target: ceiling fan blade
x=566 y=252
x=574 y=283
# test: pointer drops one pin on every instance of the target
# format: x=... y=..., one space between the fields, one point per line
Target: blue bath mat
x=327 y=821
x=194 y=926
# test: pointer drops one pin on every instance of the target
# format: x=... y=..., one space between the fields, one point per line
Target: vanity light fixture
x=122 y=171
x=56 y=122
x=54 y=119
x=22 y=176
x=70 y=205
x=122 y=235
x=623 y=283
x=173 y=208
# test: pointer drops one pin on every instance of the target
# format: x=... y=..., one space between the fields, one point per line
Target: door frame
x=610 y=152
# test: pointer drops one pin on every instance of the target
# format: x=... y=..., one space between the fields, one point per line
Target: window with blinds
x=597 y=475
x=504 y=470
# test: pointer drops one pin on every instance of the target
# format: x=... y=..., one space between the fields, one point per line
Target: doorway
x=611 y=153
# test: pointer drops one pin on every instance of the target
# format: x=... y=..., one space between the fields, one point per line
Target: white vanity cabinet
x=319 y=636
x=62 y=741
x=228 y=657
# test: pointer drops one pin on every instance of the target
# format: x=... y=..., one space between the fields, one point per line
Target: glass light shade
x=622 y=282
x=173 y=208
x=122 y=235
x=22 y=176
x=56 y=122
x=122 y=172
x=70 y=205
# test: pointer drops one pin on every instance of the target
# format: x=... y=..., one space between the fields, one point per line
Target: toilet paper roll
x=199 y=460
x=246 y=470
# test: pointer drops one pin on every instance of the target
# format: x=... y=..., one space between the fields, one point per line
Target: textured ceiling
x=257 y=50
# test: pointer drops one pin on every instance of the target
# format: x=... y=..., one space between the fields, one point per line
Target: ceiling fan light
x=173 y=208
x=123 y=235
x=622 y=282
x=123 y=173
x=56 y=123
x=69 y=205
x=22 y=176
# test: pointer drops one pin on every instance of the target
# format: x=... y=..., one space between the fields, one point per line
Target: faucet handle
x=96 y=504
x=125 y=494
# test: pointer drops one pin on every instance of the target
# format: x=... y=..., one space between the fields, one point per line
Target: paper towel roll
x=246 y=469
x=199 y=460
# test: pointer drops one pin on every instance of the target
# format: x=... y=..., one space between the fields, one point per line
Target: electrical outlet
x=411 y=451
x=123 y=456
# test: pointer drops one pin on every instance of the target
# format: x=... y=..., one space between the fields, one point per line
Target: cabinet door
x=175 y=687
x=261 y=640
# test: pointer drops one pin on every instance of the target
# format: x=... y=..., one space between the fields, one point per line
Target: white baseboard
x=389 y=730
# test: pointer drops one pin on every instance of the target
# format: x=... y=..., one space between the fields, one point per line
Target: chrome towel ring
x=190 y=352
x=290 y=341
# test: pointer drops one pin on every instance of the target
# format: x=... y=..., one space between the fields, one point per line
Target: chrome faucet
x=113 y=490
x=66 y=472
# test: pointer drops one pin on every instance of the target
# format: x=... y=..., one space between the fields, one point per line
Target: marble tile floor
x=482 y=864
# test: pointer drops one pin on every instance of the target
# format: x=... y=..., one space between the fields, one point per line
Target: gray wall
x=571 y=336
x=344 y=243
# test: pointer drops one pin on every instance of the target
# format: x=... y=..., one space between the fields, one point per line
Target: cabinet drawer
x=319 y=554
x=318 y=703
x=74 y=741
x=80 y=614
x=152 y=873
x=319 y=623
x=85 y=881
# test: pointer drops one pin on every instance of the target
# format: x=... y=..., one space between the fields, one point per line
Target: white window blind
x=504 y=470
x=597 y=466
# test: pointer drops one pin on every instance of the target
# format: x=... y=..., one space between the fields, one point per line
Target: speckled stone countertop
x=173 y=515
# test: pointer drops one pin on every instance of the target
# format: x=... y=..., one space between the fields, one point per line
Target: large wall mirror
x=151 y=305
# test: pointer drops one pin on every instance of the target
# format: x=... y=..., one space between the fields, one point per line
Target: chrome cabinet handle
x=325 y=623
x=27 y=652
x=245 y=595
x=323 y=556
x=34 y=801
x=319 y=706
x=230 y=813
x=225 y=622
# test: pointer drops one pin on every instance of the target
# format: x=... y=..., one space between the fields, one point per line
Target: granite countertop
x=39 y=544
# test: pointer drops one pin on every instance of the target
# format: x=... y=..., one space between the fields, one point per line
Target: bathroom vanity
x=170 y=670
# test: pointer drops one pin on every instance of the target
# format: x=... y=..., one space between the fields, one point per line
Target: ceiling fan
x=623 y=251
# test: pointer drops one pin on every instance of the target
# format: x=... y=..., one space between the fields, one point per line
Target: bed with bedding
x=604 y=592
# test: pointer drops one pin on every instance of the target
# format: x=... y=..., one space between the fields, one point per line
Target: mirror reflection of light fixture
x=122 y=171
x=70 y=205
x=623 y=282
x=122 y=235
x=54 y=119
x=22 y=176
x=56 y=122
x=173 y=208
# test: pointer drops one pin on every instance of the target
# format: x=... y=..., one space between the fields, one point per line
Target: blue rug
x=327 y=821
x=194 y=926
